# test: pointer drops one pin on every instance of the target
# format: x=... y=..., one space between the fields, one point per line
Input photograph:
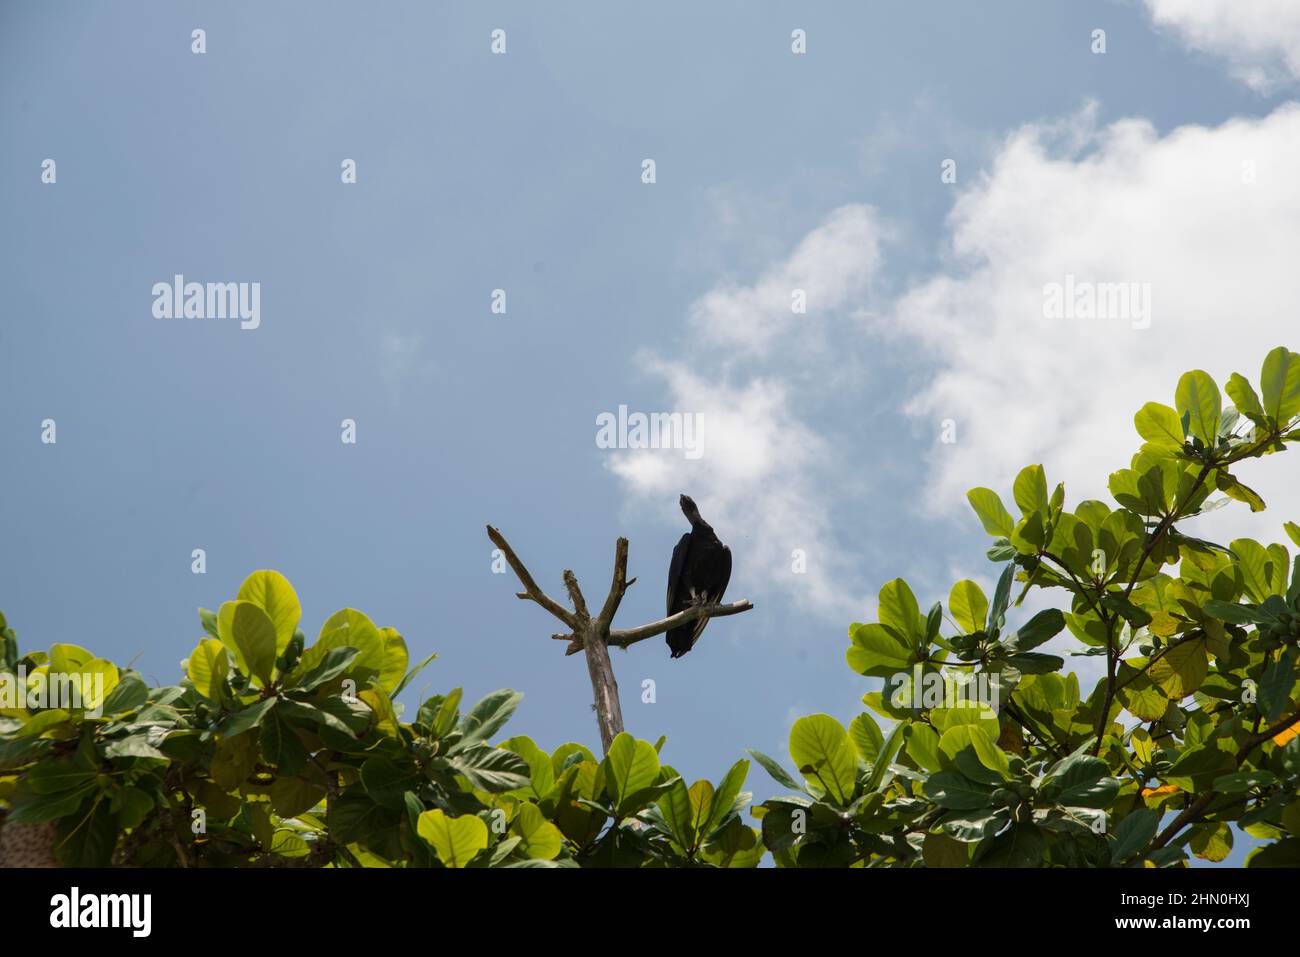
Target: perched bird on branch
x=699 y=573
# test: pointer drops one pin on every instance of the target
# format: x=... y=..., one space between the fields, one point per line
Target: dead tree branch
x=595 y=635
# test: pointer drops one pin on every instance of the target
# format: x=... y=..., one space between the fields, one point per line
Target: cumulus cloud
x=1259 y=38
x=1204 y=216
x=763 y=456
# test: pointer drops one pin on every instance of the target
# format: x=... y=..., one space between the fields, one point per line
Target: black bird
x=699 y=574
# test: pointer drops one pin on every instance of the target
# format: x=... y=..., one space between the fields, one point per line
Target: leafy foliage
x=994 y=757
x=274 y=753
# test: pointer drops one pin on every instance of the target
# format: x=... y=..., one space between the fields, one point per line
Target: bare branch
x=618 y=587
x=531 y=591
x=630 y=636
x=575 y=596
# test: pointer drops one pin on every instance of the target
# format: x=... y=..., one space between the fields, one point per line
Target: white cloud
x=1259 y=38
x=831 y=265
x=766 y=476
x=1112 y=204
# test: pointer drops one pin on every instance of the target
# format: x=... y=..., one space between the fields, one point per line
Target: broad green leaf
x=1243 y=396
x=249 y=717
x=1160 y=426
x=1030 y=489
x=539 y=838
x=1197 y=397
x=1211 y=841
x=968 y=605
x=456 y=840
x=923 y=746
x=632 y=766
x=395 y=660
x=98 y=677
x=954 y=790
x=725 y=795
x=1081 y=780
x=271 y=592
x=991 y=512
x=822 y=752
x=877 y=652
x=1133 y=833
x=1280 y=383
x=1181 y=669
x=1042 y=627
x=488 y=716
x=898 y=610
x=386 y=783
x=249 y=633
x=866 y=737
x=207 y=668
x=349 y=628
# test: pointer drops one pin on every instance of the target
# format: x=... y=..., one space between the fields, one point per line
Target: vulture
x=699 y=573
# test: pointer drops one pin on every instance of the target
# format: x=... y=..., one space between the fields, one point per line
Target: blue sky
x=522 y=172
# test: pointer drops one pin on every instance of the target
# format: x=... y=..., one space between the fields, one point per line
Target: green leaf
x=1042 y=627
x=248 y=631
x=1280 y=382
x=1211 y=841
x=1243 y=396
x=349 y=628
x=893 y=741
x=632 y=766
x=1030 y=489
x=923 y=746
x=968 y=605
x=1196 y=769
x=1133 y=833
x=246 y=718
x=401 y=685
x=539 y=838
x=675 y=806
x=53 y=777
x=1081 y=780
x=1232 y=612
x=898 y=610
x=1197 y=397
x=488 y=716
x=1181 y=669
x=951 y=789
x=866 y=736
x=779 y=774
x=87 y=840
x=991 y=512
x=1161 y=426
x=491 y=769
x=1275 y=685
x=725 y=796
x=821 y=750
x=335 y=663
x=207 y=668
x=271 y=591
x=877 y=651
x=387 y=783
x=456 y=840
